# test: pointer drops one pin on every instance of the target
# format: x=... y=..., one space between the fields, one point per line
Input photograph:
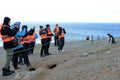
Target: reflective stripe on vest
x=6 y=38
x=43 y=36
x=25 y=40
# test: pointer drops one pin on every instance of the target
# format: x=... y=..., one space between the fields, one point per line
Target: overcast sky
x=61 y=10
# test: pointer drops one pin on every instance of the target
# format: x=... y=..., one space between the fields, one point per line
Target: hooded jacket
x=6 y=30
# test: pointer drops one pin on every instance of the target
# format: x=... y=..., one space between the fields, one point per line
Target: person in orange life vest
x=43 y=36
x=17 y=50
x=56 y=30
x=25 y=40
x=7 y=38
x=33 y=38
x=49 y=37
x=61 y=34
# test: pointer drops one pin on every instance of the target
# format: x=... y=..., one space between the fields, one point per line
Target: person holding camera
x=8 y=36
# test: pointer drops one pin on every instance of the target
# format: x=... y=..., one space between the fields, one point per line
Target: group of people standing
x=26 y=40
x=59 y=37
x=46 y=36
x=26 y=43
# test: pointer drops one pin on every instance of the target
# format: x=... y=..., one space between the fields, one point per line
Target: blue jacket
x=36 y=35
x=18 y=35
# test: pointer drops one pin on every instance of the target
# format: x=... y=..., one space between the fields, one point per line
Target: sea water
x=79 y=31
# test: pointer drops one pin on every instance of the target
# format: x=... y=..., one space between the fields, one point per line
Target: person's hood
x=6 y=21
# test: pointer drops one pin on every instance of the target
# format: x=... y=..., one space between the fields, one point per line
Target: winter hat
x=6 y=20
x=56 y=25
x=47 y=25
x=41 y=27
x=24 y=26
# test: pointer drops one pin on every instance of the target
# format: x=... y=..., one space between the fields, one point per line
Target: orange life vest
x=25 y=39
x=32 y=38
x=43 y=36
x=49 y=33
x=62 y=35
x=5 y=38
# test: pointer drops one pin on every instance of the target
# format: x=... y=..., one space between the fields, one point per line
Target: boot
x=6 y=72
x=10 y=70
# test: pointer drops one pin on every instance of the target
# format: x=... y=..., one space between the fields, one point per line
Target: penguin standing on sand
x=111 y=39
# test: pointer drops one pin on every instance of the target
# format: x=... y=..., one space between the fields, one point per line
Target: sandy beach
x=80 y=60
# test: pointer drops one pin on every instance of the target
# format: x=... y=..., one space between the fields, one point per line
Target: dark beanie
x=47 y=25
x=41 y=26
x=6 y=20
x=24 y=26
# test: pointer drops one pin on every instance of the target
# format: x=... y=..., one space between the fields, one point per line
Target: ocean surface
x=79 y=31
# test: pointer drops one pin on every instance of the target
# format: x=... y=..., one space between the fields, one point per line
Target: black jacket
x=60 y=31
x=30 y=32
x=6 y=30
x=46 y=29
x=43 y=31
